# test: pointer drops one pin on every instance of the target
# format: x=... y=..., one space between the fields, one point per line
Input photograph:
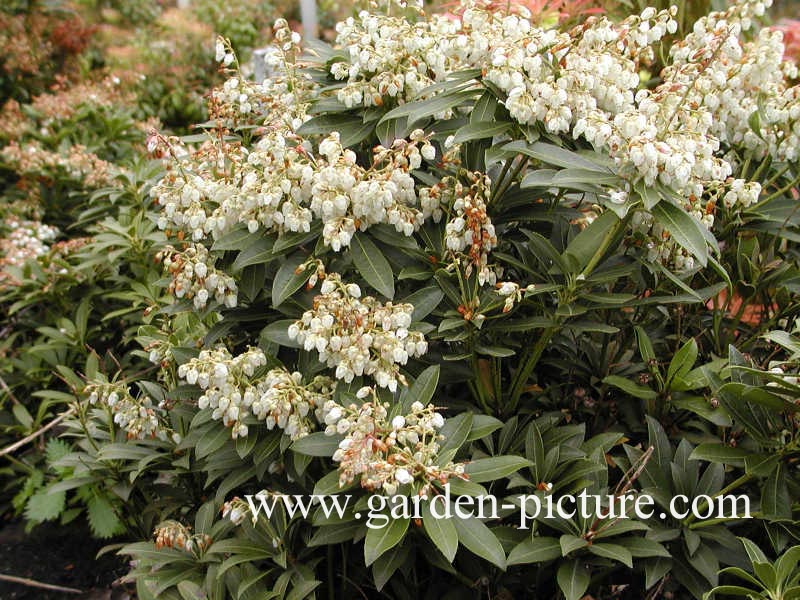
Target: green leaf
x=379 y=540
x=483 y=425
x=630 y=388
x=278 y=333
x=495 y=467
x=102 y=518
x=787 y=564
x=719 y=453
x=458 y=79
x=391 y=130
x=761 y=465
x=352 y=129
x=649 y=194
x=658 y=439
x=287 y=280
x=584 y=245
x=43 y=506
x=336 y=534
x=581 y=178
x=423 y=388
x=573 y=579
x=302 y=590
x=684 y=228
x=539 y=178
x=252 y=280
x=455 y=432
x=485 y=108
x=372 y=265
x=775 y=499
x=655 y=570
x=260 y=251
x=214 y=438
x=189 y=590
x=495 y=351
x=701 y=406
x=424 y=301
x=646 y=350
x=386 y=565
x=614 y=552
x=570 y=543
x=641 y=547
x=479 y=130
x=238 y=238
x=535 y=550
x=553 y=155
x=292 y=239
x=317 y=444
x=441 y=531
x=731 y=590
x=752 y=417
x=56 y=450
x=22 y=415
x=682 y=362
x=754 y=553
x=476 y=537
x=754 y=122
x=534 y=451
x=419 y=109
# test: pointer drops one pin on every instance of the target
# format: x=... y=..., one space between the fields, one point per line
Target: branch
x=7 y=390
x=35 y=434
x=39 y=584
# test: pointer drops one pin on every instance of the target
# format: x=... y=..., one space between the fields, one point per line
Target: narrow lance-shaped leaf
x=381 y=539
x=684 y=229
x=372 y=265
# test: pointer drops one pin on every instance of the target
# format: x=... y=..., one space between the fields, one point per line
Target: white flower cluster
x=139 y=417
x=25 y=240
x=558 y=78
x=277 y=98
x=734 y=194
x=223 y=53
x=280 y=186
x=227 y=384
x=741 y=193
x=511 y=292
x=470 y=233
x=392 y=58
x=719 y=87
x=359 y=336
x=386 y=453
x=194 y=276
x=585 y=82
x=288 y=403
x=172 y=534
x=231 y=389
x=745 y=77
x=347 y=197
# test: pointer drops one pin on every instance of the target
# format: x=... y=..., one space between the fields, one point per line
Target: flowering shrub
x=245 y=23
x=478 y=253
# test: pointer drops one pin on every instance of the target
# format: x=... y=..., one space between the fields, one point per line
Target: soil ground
x=60 y=555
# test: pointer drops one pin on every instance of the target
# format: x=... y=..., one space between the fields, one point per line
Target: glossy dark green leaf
x=372 y=265
x=383 y=539
x=535 y=550
x=288 y=279
x=573 y=579
x=684 y=228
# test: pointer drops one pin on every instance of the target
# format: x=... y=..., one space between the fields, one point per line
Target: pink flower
x=791 y=38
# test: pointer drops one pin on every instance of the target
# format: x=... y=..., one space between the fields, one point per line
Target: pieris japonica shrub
x=472 y=250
